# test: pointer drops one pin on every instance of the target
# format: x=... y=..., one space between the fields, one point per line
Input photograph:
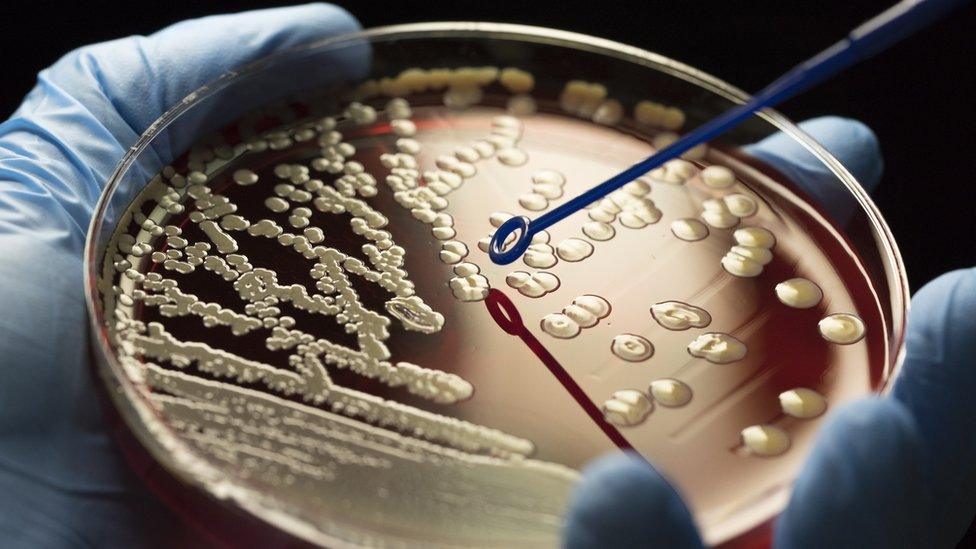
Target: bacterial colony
x=305 y=306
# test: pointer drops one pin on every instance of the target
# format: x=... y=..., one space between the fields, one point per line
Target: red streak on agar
x=504 y=313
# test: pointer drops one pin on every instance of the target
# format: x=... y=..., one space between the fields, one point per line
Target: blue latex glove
x=62 y=480
x=886 y=472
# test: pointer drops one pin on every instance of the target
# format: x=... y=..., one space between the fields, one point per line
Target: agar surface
x=308 y=418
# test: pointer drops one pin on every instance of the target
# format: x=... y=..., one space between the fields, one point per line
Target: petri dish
x=304 y=341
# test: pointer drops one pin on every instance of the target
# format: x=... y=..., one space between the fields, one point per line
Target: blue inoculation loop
x=519 y=226
x=866 y=40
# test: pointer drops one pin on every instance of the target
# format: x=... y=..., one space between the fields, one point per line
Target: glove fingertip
x=849 y=141
x=937 y=377
x=853 y=143
x=936 y=384
x=624 y=502
x=308 y=22
x=863 y=484
x=941 y=322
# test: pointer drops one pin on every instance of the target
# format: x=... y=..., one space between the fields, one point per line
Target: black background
x=919 y=97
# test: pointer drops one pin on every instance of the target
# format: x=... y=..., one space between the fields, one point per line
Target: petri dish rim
x=166 y=447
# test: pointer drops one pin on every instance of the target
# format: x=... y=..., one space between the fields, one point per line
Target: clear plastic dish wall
x=319 y=75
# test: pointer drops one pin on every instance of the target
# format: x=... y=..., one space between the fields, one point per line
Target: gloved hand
x=898 y=471
x=62 y=480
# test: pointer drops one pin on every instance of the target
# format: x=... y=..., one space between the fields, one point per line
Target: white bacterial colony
x=675 y=315
x=535 y=284
x=670 y=392
x=802 y=403
x=799 y=293
x=717 y=347
x=244 y=177
x=842 y=328
x=520 y=83
x=598 y=230
x=675 y=172
x=574 y=249
x=453 y=251
x=627 y=407
x=415 y=314
x=462 y=96
x=510 y=156
x=655 y=115
x=521 y=105
x=726 y=212
x=516 y=80
x=765 y=440
x=689 y=229
x=629 y=205
x=582 y=99
x=718 y=177
x=547 y=185
x=740 y=205
x=716 y=213
x=663 y=139
x=754 y=237
x=540 y=254
x=584 y=312
x=469 y=284
x=753 y=250
x=609 y=112
x=631 y=347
